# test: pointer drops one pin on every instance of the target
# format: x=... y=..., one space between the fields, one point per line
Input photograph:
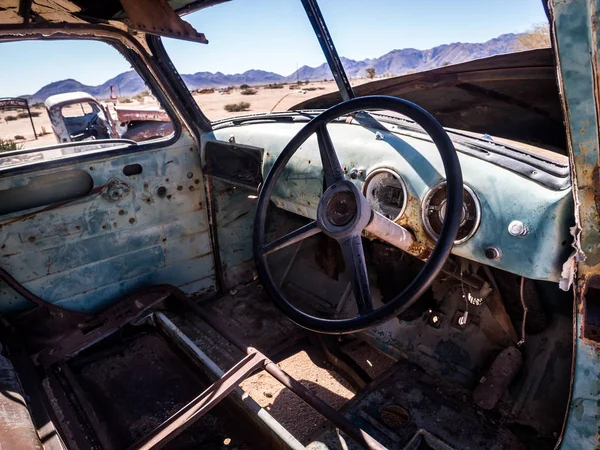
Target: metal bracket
x=157 y=17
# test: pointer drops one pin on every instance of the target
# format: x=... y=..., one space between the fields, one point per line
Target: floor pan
x=133 y=383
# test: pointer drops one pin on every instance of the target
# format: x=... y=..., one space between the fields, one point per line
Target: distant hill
x=396 y=62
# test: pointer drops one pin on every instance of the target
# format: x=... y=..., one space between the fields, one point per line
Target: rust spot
x=145 y=185
x=132 y=220
x=197 y=181
x=77 y=227
x=91 y=167
x=115 y=224
x=596 y=185
x=104 y=227
x=169 y=197
x=191 y=188
x=121 y=212
x=31 y=238
x=167 y=180
x=179 y=188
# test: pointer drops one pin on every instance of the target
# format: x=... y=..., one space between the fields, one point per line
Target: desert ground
x=212 y=104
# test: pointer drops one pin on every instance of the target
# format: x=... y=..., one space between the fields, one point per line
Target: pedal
x=498 y=377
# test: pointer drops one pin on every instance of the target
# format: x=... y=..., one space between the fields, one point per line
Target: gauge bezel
x=392 y=172
x=425 y=204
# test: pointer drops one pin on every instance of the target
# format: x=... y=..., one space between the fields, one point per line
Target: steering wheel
x=343 y=213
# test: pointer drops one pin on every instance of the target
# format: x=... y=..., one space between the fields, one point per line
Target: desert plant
x=18 y=137
x=10 y=118
x=24 y=115
x=538 y=36
x=125 y=100
x=244 y=86
x=237 y=107
x=144 y=93
x=44 y=132
x=370 y=73
x=248 y=92
x=6 y=145
x=274 y=86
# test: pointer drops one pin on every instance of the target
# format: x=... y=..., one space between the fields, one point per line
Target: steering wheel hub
x=342 y=210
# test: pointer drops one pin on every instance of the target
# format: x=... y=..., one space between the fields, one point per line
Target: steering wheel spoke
x=295 y=236
x=331 y=165
x=354 y=257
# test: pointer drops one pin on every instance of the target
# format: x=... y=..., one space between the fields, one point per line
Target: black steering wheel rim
x=436 y=260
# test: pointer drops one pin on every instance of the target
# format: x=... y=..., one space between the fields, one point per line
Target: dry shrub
x=537 y=36
x=6 y=145
x=248 y=92
x=237 y=107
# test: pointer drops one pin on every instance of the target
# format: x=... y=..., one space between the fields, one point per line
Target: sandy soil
x=295 y=415
x=212 y=105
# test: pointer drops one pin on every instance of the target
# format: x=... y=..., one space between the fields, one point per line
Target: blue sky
x=275 y=35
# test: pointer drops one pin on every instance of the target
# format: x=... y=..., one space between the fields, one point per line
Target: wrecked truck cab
x=77 y=116
x=374 y=275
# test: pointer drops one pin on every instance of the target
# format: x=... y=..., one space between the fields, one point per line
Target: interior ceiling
x=16 y=12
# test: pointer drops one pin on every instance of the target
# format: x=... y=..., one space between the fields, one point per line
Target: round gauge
x=386 y=192
x=434 y=211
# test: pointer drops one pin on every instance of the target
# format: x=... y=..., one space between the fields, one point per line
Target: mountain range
x=396 y=62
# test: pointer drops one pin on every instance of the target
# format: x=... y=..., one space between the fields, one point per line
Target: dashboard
x=517 y=207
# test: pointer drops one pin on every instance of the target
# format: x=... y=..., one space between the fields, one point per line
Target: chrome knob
x=517 y=228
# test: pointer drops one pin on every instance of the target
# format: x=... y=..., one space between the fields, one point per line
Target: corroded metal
x=576 y=40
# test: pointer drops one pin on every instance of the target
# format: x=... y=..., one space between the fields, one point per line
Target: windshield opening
x=265 y=57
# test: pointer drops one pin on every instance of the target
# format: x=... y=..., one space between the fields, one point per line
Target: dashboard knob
x=517 y=228
x=493 y=253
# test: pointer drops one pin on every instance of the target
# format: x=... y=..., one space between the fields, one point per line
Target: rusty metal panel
x=576 y=40
x=130 y=232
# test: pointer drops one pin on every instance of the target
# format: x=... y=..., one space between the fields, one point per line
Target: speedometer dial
x=386 y=192
x=434 y=211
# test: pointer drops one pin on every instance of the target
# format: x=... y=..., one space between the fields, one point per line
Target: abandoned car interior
x=391 y=265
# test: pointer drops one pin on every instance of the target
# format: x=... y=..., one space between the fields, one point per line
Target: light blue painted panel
x=577 y=45
x=91 y=252
x=505 y=196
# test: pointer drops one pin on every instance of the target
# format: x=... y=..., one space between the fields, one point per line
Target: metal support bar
x=335 y=64
x=98 y=426
x=202 y=404
x=339 y=420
